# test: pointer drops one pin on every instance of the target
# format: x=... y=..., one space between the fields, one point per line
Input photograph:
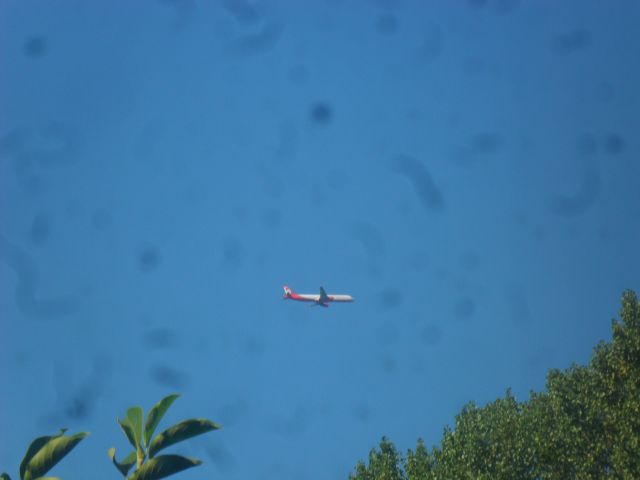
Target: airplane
x=323 y=299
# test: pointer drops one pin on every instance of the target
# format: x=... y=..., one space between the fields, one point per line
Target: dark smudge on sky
x=370 y=238
x=25 y=294
x=387 y=24
x=573 y=41
x=590 y=185
x=78 y=408
x=231 y=413
x=432 y=44
x=506 y=6
x=168 y=377
x=604 y=92
x=35 y=47
x=35 y=149
x=271 y=218
x=486 y=143
x=183 y=10
x=388 y=363
x=389 y=298
x=260 y=42
x=149 y=258
x=361 y=412
x=293 y=424
x=40 y=228
x=233 y=253
x=464 y=308
x=160 y=338
x=77 y=402
x=246 y=13
x=321 y=113
x=417 y=173
x=220 y=455
x=49 y=144
x=431 y=335
x=614 y=144
x=478 y=147
x=518 y=304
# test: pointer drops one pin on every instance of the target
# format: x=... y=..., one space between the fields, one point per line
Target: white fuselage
x=330 y=297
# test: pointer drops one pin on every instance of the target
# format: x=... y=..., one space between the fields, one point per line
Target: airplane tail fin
x=287 y=292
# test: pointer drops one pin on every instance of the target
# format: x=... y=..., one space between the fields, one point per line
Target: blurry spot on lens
x=148 y=258
x=464 y=308
x=387 y=24
x=573 y=41
x=40 y=228
x=168 y=376
x=614 y=144
x=35 y=47
x=321 y=113
x=431 y=335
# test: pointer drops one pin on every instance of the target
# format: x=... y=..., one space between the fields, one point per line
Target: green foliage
x=35 y=446
x=155 y=415
x=148 y=467
x=585 y=425
x=418 y=464
x=163 y=466
x=128 y=462
x=383 y=464
x=134 y=420
x=179 y=432
x=44 y=453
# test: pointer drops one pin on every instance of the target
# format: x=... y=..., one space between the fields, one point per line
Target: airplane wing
x=323 y=296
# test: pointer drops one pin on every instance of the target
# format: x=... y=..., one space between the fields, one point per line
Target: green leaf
x=155 y=415
x=179 y=432
x=34 y=448
x=134 y=416
x=126 y=464
x=50 y=454
x=128 y=431
x=163 y=466
x=5 y=476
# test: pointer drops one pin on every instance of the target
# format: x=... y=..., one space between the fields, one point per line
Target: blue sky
x=467 y=170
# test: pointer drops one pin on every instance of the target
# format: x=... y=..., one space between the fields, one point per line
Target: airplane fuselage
x=323 y=299
x=305 y=297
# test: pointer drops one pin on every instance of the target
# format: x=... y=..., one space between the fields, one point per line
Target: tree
x=585 y=425
x=383 y=464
